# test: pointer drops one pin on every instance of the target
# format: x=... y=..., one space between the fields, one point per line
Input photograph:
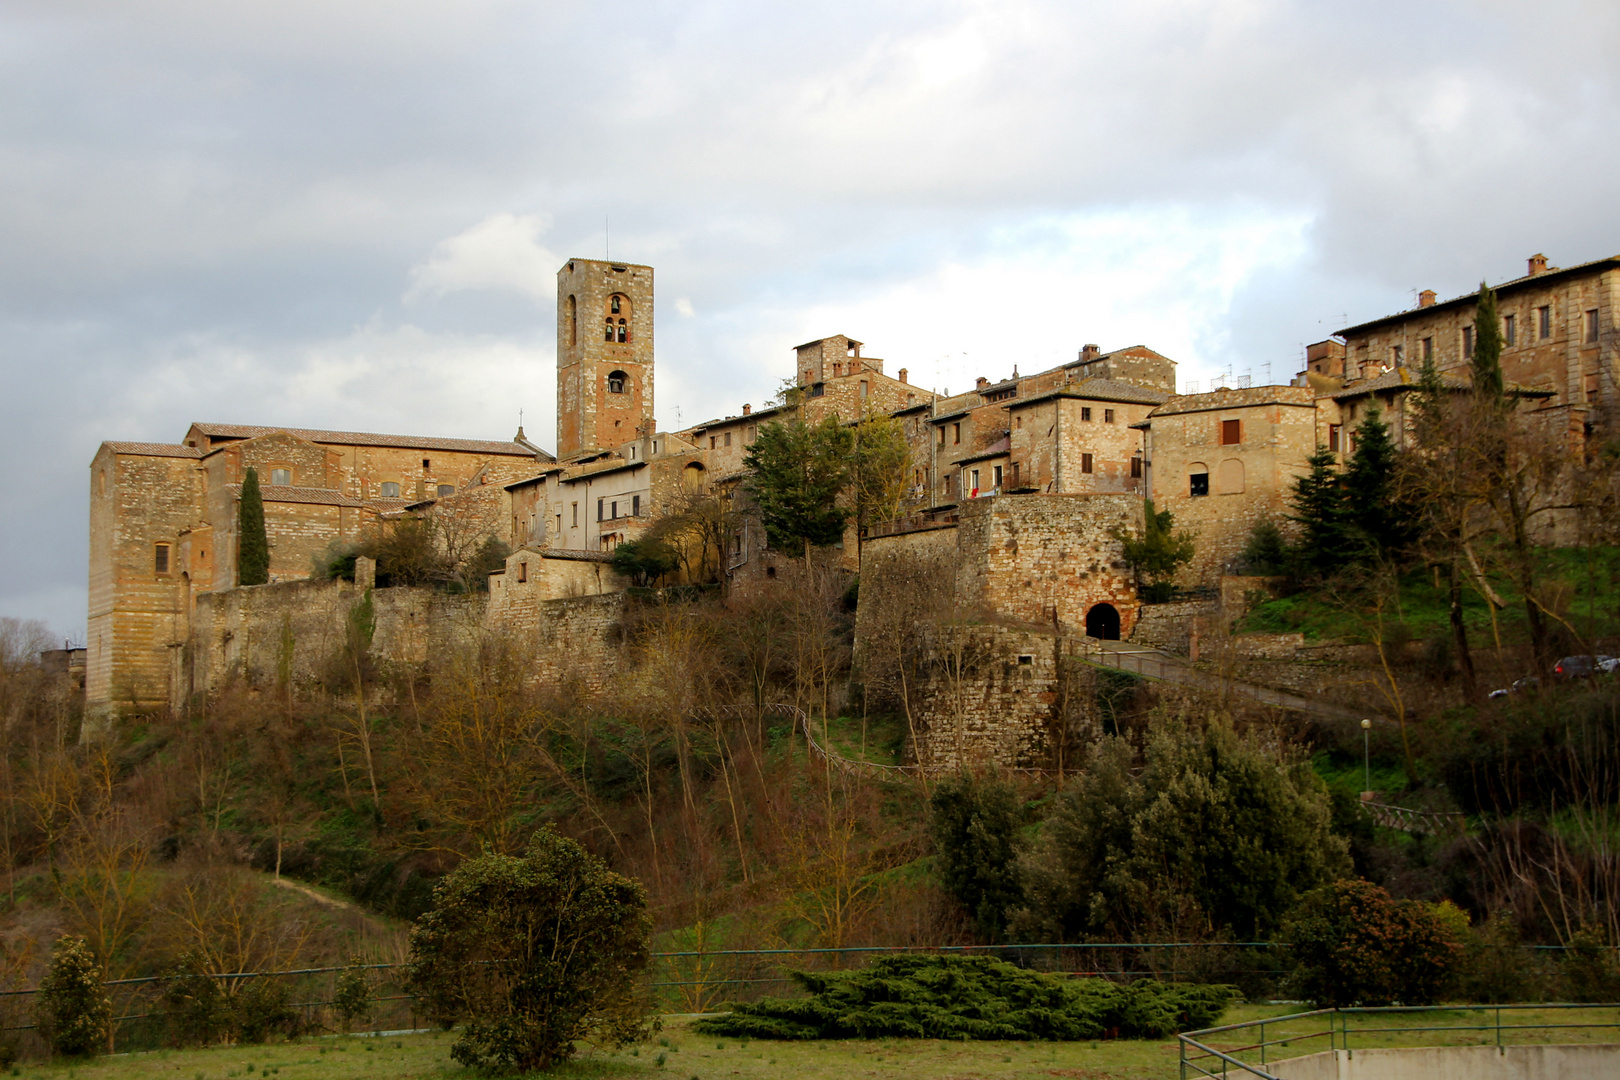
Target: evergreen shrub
x=970 y=997
x=1353 y=945
x=72 y=1011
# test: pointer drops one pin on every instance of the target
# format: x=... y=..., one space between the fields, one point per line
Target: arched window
x=617 y=381
x=608 y=336
x=624 y=331
x=390 y=489
x=1198 y=478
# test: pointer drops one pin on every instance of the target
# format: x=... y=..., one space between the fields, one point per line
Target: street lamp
x=1366 y=761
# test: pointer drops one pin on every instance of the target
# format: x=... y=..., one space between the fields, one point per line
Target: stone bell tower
x=604 y=354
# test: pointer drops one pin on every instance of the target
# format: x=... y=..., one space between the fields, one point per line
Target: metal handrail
x=1339 y=1031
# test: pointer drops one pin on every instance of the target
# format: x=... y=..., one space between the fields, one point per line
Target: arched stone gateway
x=1102 y=621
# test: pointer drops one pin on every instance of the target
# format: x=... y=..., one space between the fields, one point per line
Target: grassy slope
x=428 y=1056
x=1587 y=580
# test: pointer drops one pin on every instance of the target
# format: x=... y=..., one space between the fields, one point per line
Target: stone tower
x=604 y=354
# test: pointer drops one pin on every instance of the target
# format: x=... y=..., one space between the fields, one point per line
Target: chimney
x=980 y=383
x=747 y=409
x=902 y=374
x=1426 y=298
x=1089 y=352
x=1538 y=265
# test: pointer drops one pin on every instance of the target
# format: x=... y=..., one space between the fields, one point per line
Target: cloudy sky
x=349 y=213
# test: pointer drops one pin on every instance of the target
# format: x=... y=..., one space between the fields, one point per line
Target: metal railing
x=1199 y=1058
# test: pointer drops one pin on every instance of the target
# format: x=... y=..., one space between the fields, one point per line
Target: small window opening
x=1025 y=659
x=1108 y=416
x=1231 y=432
x=1085 y=414
x=615 y=303
x=1198 y=483
x=523 y=571
x=1509 y=330
x=446 y=490
x=390 y=489
x=427 y=463
x=624 y=332
x=616 y=381
x=1544 y=321
x=281 y=477
x=1086 y=462
x=160 y=558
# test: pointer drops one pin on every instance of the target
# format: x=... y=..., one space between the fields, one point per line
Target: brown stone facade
x=1223 y=461
x=163 y=526
x=604 y=354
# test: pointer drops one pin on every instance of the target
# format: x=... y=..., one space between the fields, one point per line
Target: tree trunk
x=1459 y=633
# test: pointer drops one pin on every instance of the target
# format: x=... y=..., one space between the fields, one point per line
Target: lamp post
x=1366 y=761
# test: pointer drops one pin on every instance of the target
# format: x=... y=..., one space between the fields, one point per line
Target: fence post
x=1499 y=1027
x=1262 y=1042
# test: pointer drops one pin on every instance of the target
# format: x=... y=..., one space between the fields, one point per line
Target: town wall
x=987 y=695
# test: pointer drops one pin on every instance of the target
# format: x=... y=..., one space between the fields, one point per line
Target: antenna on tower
x=606 y=251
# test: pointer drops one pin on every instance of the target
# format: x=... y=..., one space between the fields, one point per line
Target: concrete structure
x=1570 y=1061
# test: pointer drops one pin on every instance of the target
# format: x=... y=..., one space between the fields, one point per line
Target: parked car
x=1527 y=685
x=1584 y=667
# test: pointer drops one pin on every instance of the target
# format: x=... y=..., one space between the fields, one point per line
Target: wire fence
x=152 y=1012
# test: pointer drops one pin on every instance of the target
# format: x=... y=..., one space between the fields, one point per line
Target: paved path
x=1157 y=664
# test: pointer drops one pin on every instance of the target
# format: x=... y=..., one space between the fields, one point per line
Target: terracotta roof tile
x=362 y=438
x=149 y=449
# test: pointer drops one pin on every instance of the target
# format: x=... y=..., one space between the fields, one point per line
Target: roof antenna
x=606 y=252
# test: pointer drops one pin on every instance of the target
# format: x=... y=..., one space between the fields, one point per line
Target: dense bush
x=1542 y=752
x=201 y=1008
x=951 y=997
x=532 y=954
x=1217 y=835
x=1353 y=945
x=72 y=1011
x=974 y=824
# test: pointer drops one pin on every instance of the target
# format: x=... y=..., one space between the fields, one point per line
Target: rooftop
x=1470 y=298
x=363 y=438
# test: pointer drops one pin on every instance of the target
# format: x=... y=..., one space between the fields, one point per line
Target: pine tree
x=252 y=542
x=799 y=471
x=1487 y=358
x=1319 y=508
x=1375 y=521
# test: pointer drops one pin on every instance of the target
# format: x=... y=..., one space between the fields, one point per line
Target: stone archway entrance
x=1102 y=621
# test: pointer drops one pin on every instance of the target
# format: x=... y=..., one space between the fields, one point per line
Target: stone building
x=163 y=526
x=1223 y=461
x=1558 y=331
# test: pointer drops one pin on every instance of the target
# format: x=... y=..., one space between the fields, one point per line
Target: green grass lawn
x=678 y=1053
x=1583 y=583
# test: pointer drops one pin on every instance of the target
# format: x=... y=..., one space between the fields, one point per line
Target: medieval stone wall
x=987 y=695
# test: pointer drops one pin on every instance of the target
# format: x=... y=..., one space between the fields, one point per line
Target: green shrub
x=1218 y=832
x=1496 y=967
x=974 y=825
x=1353 y=945
x=970 y=997
x=1589 y=967
x=193 y=1003
x=71 y=1011
x=532 y=954
x=352 y=998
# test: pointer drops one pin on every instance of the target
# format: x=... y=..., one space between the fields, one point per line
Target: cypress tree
x=1487 y=358
x=252 y=543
